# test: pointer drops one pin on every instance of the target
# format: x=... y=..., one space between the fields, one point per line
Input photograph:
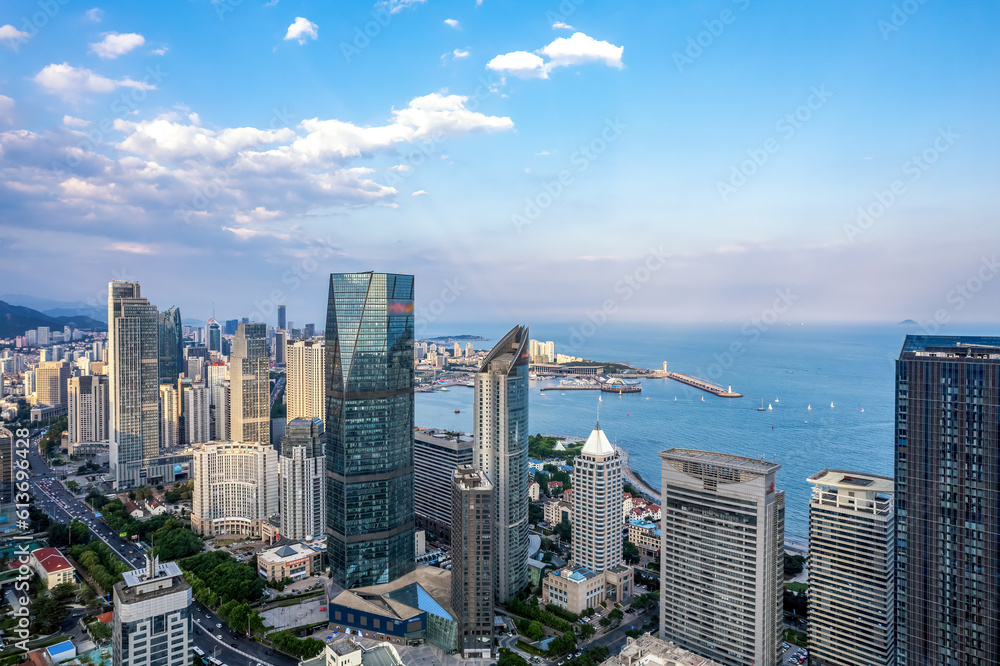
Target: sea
x=827 y=394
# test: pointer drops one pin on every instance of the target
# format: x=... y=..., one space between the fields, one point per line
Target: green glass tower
x=369 y=427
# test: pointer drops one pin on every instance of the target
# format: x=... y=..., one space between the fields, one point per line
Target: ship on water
x=620 y=386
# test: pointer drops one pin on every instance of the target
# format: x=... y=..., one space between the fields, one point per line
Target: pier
x=703 y=385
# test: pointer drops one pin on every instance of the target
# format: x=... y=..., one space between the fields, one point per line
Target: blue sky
x=526 y=161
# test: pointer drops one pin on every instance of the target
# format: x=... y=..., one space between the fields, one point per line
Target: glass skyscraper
x=369 y=427
x=500 y=450
x=948 y=500
x=171 y=345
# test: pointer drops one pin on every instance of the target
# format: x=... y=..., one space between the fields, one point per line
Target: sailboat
x=703 y=398
x=862 y=410
x=761 y=408
x=776 y=400
x=675 y=398
x=831 y=405
x=809 y=408
x=769 y=408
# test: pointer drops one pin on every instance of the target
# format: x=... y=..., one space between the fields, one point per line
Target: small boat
x=565 y=394
x=769 y=408
x=458 y=411
x=444 y=388
x=648 y=399
x=675 y=398
x=862 y=409
x=809 y=408
x=831 y=405
x=761 y=408
x=703 y=398
x=776 y=400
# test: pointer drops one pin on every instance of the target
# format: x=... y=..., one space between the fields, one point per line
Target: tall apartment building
x=281 y=317
x=133 y=378
x=303 y=480
x=7 y=486
x=215 y=377
x=51 y=383
x=152 y=618
x=596 y=506
x=170 y=416
x=369 y=427
x=722 y=557
x=235 y=487
x=436 y=456
x=948 y=500
x=500 y=450
x=305 y=390
x=249 y=385
x=170 y=345
x=88 y=409
x=197 y=424
x=280 y=347
x=851 y=569
x=44 y=336
x=472 y=561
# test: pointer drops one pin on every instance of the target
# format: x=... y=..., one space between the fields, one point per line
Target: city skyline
x=482 y=108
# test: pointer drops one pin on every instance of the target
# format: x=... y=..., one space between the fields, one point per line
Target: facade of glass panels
x=369 y=427
x=500 y=451
x=170 y=345
x=948 y=500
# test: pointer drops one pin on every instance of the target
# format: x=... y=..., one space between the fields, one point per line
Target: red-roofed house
x=653 y=511
x=52 y=567
x=106 y=618
x=568 y=495
x=555 y=487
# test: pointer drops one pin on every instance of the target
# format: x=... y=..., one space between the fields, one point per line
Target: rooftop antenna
x=599 y=412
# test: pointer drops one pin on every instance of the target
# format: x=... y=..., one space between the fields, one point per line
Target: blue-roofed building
x=61 y=651
x=416 y=606
x=535 y=464
x=645 y=535
x=566 y=468
x=574 y=589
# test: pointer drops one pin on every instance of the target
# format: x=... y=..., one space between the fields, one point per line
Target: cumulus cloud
x=460 y=53
x=165 y=140
x=577 y=49
x=71 y=121
x=95 y=14
x=419 y=193
x=301 y=30
x=115 y=44
x=12 y=37
x=72 y=82
x=519 y=63
x=452 y=23
x=559 y=25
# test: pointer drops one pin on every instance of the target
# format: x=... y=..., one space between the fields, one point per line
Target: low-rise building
x=345 y=652
x=573 y=589
x=647 y=650
x=555 y=487
x=534 y=491
x=293 y=560
x=52 y=567
x=556 y=510
x=645 y=535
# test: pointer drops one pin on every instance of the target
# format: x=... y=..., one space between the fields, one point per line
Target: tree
x=79 y=532
x=508 y=658
x=48 y=614
x=794 y=564
x=96 y=500
x=604 y=622
x=563 y=530
x=100 y=631
x=64 y=592
x=587 y=630
x=630 y=552
x=58 y=535
x=142 y=493
x=534 y=630
x=563 y=644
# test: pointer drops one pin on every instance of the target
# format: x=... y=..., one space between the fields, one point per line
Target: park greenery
x=794 y=565
x=100 y=562
x=180 y=492
x=51 y=440
x=216 y=579
x=170 y=537
x=544 y=448
x=529 y=609
x=630 y=552
x=303 y=648
x=592 y=657
x=510 y=658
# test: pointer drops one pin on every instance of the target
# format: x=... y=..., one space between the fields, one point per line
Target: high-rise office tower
x=170 y=416
x=44 y=336
x=29 y=383
x=280 y=347
x=213 y=336
x=197 y=426
x=309 y=332
x=500 y=451
x=171 y=353
x=133 y=378
x=231 y=326
x=948 y=500
x=469 y=351
x=436 y=455
x=31 y=338
x=249 y=388
x=281 y=317
x=472 y=560
x=722 y=536
x=235 y=487
x=215 y=375
x=7 y=485
x=303 y=479
x=152 y=618
x=87 y=409
x=369 y=427
x=851 y=569
x=305 y=390
x=51 y=382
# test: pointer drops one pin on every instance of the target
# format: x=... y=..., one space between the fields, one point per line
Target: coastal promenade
x=634 y=478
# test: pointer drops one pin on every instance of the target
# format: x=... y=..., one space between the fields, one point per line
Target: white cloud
x=163 y=139
x=131 y=248
x=160 y=51
x=6 y=110
x=419 y=193
x=564 y=51
x=95 y=14
x=71 y=121
x=559 y=25
x=459 y=53
x=393 y=6
x=271 y=3
x=301 y=30
x=12 y=36
x=402 y=168
x=115 y=44
x=519 y=63
x=71 y=82
x=453 y=23
x=579 y=49
x=542 y=153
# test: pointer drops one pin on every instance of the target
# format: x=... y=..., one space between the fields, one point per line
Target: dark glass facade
x=948 y=500
x=369 y=426
x=171 y=352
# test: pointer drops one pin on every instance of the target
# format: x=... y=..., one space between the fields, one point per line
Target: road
x=62 y=506
x=279 y=384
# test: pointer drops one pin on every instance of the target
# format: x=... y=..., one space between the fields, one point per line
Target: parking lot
x=794 y=655
x=287 y=617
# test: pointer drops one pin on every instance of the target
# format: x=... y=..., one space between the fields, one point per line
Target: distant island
x=907 y=322
x=455 y=338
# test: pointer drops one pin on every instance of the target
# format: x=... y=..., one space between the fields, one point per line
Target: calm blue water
x=790 y=367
